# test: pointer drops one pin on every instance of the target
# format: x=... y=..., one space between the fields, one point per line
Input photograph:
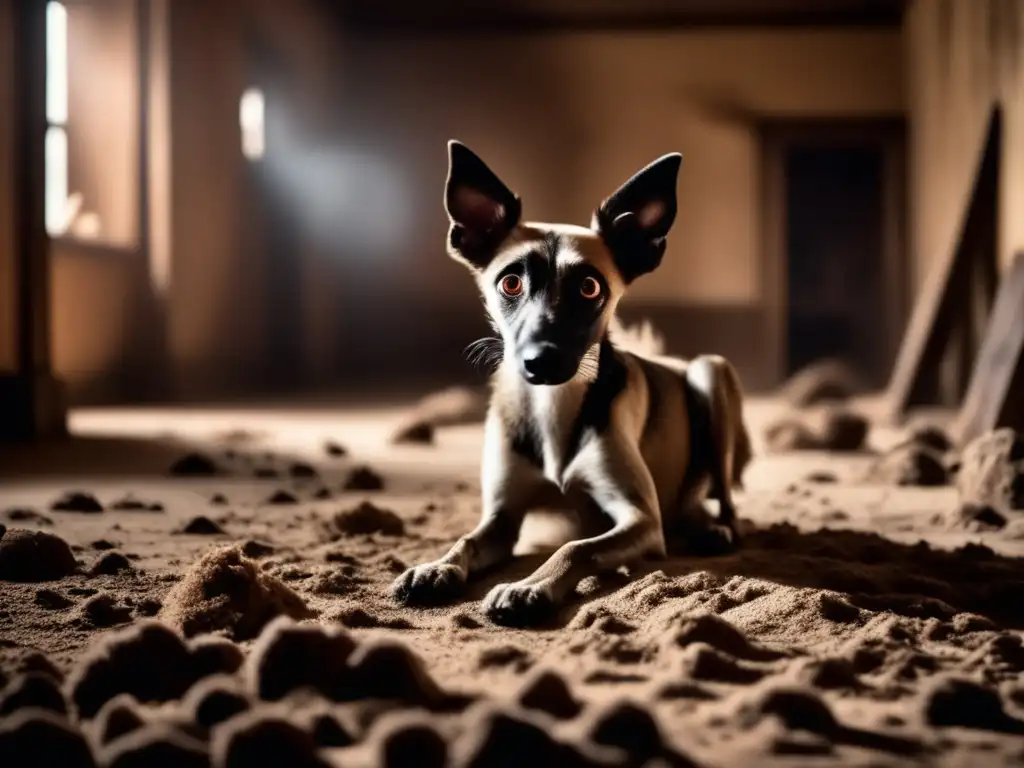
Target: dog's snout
x=543 y=363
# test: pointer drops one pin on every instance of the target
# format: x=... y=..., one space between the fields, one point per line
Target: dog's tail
x=642 y=339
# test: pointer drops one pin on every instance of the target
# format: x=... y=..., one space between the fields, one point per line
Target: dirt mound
x=823 y=381
x=909 y=464
x=415 y=433
x=833 y=429
x=289 y=657
x=365 y=518
x=363 y=479
x=47 y=737
x=77 y=501
x=27 y=556
x=154 y=746
x=992 y=471
x=227 y=592
x=263 y=738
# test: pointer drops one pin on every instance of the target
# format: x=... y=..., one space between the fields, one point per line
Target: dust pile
x=225 y=591
x=864 y=620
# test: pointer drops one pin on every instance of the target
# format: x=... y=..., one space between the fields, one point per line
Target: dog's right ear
x=481 y=208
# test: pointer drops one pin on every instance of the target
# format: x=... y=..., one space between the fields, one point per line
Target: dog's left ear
x=637 y=217
x=482 y=210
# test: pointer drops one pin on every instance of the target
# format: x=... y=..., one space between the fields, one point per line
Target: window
x=250 y=118
x=93 y=132
x=56 y=118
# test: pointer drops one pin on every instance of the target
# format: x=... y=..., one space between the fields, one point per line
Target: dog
x=635 y=442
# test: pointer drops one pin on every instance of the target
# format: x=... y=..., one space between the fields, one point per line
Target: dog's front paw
x=429 y=584
x=520 y=604
x=715 y=538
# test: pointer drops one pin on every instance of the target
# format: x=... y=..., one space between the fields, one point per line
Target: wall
x=8 y=345
x=565 y=118
x=961 y=59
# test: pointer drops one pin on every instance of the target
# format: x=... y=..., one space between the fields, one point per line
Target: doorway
x=834 y=259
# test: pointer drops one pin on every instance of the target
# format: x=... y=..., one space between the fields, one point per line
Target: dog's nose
x=542 y=362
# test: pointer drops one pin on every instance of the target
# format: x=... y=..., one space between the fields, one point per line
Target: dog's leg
x=715 y=387
x=614 y=476
x=508 y=485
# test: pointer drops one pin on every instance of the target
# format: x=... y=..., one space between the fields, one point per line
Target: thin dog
x=636 y=442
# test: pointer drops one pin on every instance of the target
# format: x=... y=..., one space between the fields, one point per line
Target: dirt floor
x=860 y=624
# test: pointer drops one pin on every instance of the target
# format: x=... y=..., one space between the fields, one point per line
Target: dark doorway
x=834 y=256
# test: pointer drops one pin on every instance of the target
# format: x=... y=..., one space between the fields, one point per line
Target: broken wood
x=945 y=328
x=995 y=395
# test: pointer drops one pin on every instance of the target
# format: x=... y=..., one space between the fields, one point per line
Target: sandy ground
x=855 y=627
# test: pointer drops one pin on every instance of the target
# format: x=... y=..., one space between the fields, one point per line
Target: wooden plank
x=995 y=396
x=944 y=305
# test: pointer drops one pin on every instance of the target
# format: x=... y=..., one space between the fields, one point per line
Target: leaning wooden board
x=995 y=394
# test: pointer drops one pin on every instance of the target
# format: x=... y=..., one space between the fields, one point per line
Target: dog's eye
x=590 y=288
x=511 y=285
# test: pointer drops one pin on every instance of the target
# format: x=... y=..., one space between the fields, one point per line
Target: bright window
x=56 y=117
x=250 y=118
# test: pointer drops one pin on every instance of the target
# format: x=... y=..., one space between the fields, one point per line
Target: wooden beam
x=936 y=355
x=995 y=396
x=31 y=401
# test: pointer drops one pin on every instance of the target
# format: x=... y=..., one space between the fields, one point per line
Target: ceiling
x=532 y=15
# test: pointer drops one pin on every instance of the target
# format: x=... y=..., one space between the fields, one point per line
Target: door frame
x=776 y=137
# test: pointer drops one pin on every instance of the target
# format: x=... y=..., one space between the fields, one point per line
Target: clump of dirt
x=32 y=690
x=408 y=740
x=365 y=518
x=790 y=434
x=256 y=549
x=105 y=611
x=909 y=464
x=281 y=497
x=227 y=592
x=148 y=661
x=548 y=691
x=835 y=429
x=386 y=669
x=119 y=716
x=843 y=430
x=47 y=737
x=202 y=526
x=932 y=437
x=215 y=699
x=826 y=380
x=289 y=657
x=25 y=515
x=194 y=465
x=111 y=563
x=334 y=449
x=52 y=600
x=948 y=701
x=77 y=501
x=363 y=479
x=499 y=738
x=303 y=471
x=631 y=728
x=131 y=503
x=449 y=407
x=992 y=471
x=27 y=556
x=263 y=738
x=416 y=433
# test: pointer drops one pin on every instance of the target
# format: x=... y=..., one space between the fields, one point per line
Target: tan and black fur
x=636 y=442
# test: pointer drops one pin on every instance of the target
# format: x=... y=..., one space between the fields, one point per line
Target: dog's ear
x=637 y=217
x=481 y=208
